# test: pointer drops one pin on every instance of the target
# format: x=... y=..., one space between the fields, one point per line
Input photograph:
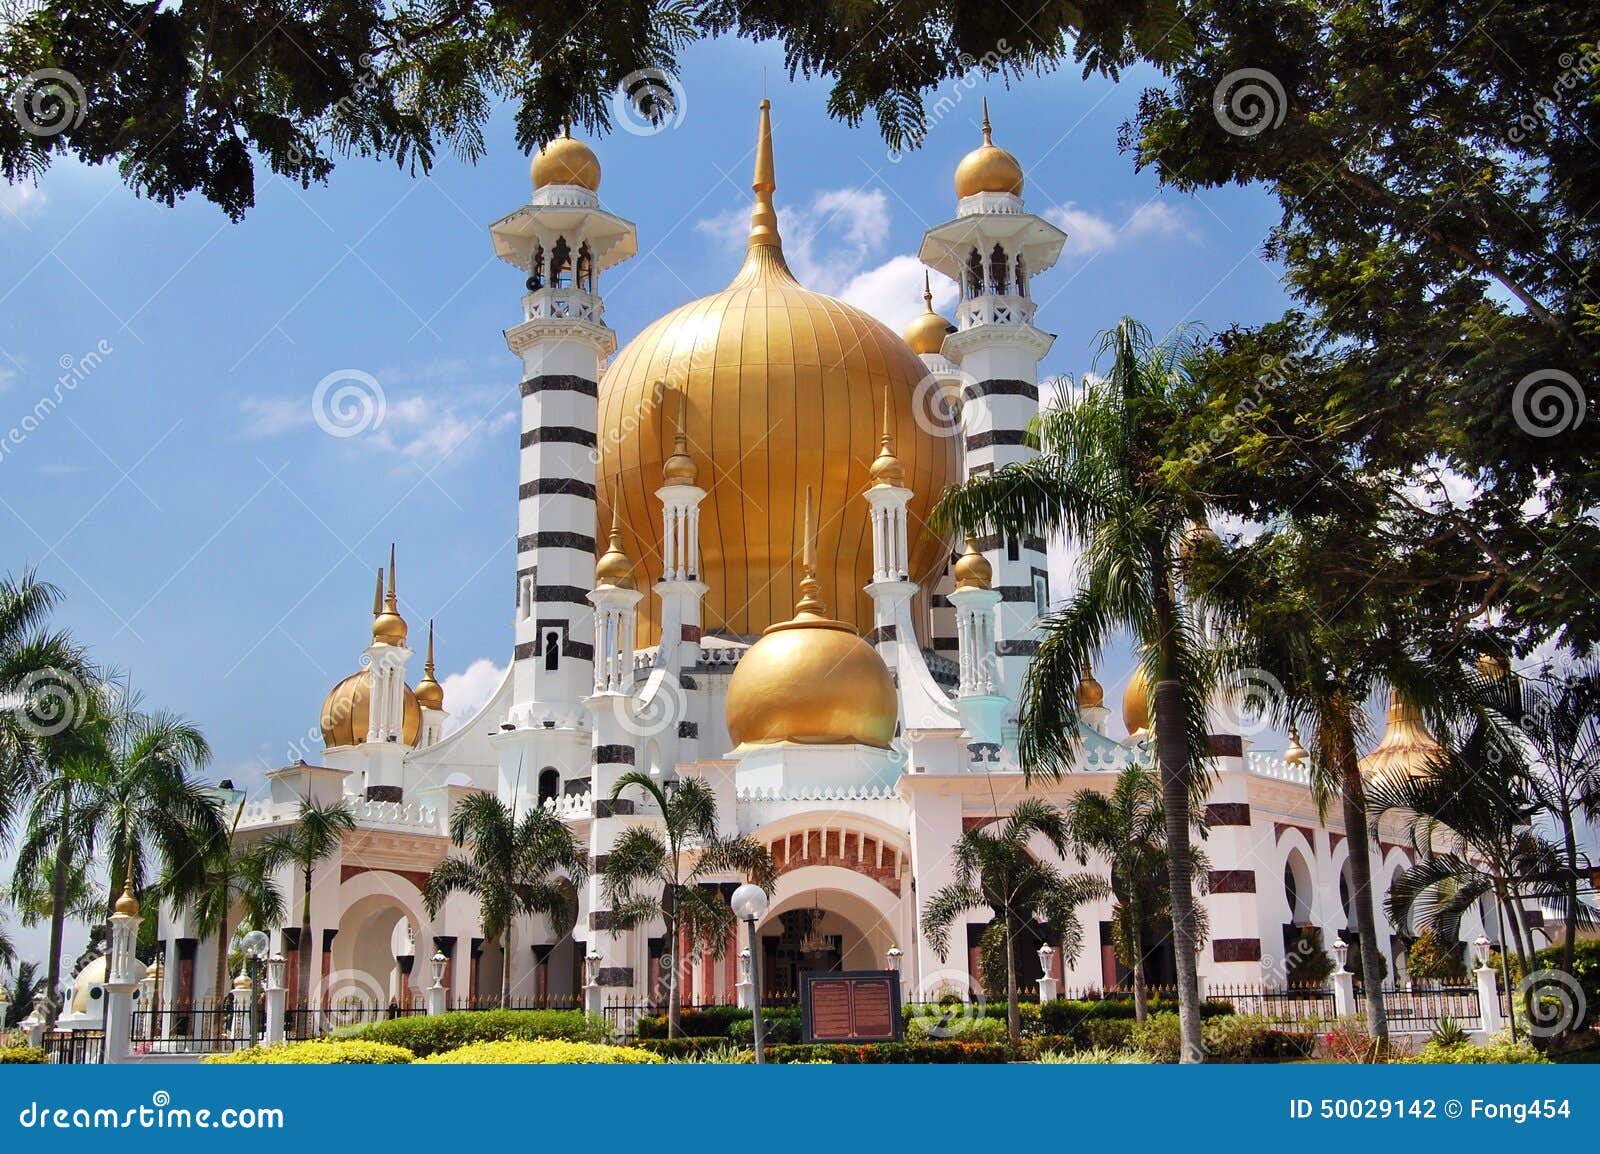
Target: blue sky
x=219 y=547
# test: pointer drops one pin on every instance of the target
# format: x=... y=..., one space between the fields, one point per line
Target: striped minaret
x=993 y=249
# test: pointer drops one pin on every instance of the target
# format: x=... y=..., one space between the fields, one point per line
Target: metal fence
x=208 y=1028
x=1292 y=1006
x=75 y=1047
x=1420 y=1010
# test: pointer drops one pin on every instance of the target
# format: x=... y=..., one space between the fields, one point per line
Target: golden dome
x=1090 y=693
x=1407 y=746
x=1198 y=538
x=1136 y=703
x=345 y=713
x=430 y=694
x=1492 y=666
x=988 y=168
x=886 y=469
x=566 y=161
x=1295 y=753
x=973 y=570
x=783 y=387
x=388 y=627
x=927 y=332
x=128 y=905
x=811 y=680
x=679 y=468
x=614 y=567
x=94 y=974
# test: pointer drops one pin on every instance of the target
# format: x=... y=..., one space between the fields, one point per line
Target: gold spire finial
x=388 y=627
x=429 y=693
x=377 y=594
x=127 y=904
x=988 y=137
x=927 y=292
x=615 y=567
x=887 y=470
x=810 y=589
x=427 y=666
x=679 y=469
x=764 y=220
x=390 y=599
x=972 y=568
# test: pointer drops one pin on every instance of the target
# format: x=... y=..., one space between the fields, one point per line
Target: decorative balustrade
x=560 y=304
x=994 y=310
x=1273 y=766
x=405 y=815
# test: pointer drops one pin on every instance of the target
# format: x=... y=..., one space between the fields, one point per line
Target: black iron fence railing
x=207 y=1028
x=74 y=1047
x=1418 y=1010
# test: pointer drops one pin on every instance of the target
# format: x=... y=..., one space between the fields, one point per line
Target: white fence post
x=1489 y=1018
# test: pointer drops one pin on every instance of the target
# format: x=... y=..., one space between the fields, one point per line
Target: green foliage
x=1431 y=959
x=687 y=1049
x=1094 y=1056
x=923 y=1028
x=895 y=1054
x=1448 y=1033
x=780 y=1027
x=1252 y=1038
x=1305 y=961
x=317 y=1052
x=425 y=1036
x=704 y=1022
x=1500 y=1052
x=542 y=1052
x=1159 y=1036
x=22 y=1056
x=1585 y=967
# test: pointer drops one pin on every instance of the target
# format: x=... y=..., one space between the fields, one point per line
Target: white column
x=979 y=700
x=121 y=981
x=1490 y=1020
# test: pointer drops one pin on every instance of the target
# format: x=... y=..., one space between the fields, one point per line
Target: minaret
x=978 y=698
x=563 y=240
x=682 y=593
x=430 y=699
x=382 y=755
x=891 y=589
x=993 y=248
x=614 y=599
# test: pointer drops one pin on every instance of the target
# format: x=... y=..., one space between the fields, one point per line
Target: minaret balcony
x=559 y=304
x=994 y=310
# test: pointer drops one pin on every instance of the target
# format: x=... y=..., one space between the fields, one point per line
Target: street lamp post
x=254 y=947
x=750 y=906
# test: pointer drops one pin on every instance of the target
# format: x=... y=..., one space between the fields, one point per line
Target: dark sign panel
x=851 y=1006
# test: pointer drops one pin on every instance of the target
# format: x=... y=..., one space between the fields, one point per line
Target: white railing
x=759 y=807
x=994 y=310
x=573 y=805
x=562 y=304
x=403 y=815
x=1273 y=766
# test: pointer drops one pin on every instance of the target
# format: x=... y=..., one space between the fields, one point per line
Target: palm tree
x=128 y=792
x=231 y=875
x=22 y=986
x=1100 y=481
x=656 y=872
x=1128 y=829
x=514 y=867
x=995 y=871
x=318 y=829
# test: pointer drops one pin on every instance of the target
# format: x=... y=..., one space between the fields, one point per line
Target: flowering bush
x=22 y=1056
x=424 y=1036
x=317 y=1052
x=1500 y=1052
x=547 y=1052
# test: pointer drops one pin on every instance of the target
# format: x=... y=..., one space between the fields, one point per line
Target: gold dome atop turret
x=1090 y=693
x=811 y=680
x=127 y=904
x=1295 y=753
x=973 y=570
x=1492 y=666
x=679 y=469
x=1198 y=539
x=615 y=567
x=988 y=168
x=785 y=389
x=886 y=470
x=927 y=332
x=1407 y=746
x=1136 y=703
x=430 y=694
x=566 y=161
x=388 y=627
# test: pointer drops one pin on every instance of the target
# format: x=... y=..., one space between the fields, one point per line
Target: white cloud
x=1090 y=232
x=271 y=416
x=21 y=198
x=892 y=291
x=467 y=692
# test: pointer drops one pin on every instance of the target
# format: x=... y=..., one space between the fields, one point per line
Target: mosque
x=724 y=570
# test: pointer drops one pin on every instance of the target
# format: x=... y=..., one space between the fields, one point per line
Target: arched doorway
x=372 y=967
x=825 y=918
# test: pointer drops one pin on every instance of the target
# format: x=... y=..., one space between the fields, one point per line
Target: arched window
x=560 y=262
x=997 y=271
x=974 y=274
x=552 y=651
x=1022 y=280
x=549 y=784
x=585 y=279
x=536 y=281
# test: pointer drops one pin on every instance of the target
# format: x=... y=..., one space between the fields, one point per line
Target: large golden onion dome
x=566 y=161
x=988 y=168
x=1136 y=702
x=1406 y=748
x=345 y=712
x=784 y=388
x=430 y=694
x=927 y=332
x=811 y=680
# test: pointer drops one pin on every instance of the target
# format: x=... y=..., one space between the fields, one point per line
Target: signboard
x=850 y=1006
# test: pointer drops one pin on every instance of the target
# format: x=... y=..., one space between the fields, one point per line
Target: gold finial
x=988 y=137
x=973 y=570
x=764 y=220
x=810 y=588
x=390 y=601
x=1295 y=753
x=679 y=469
x=127 y=904
x=614 y=567
x=377 y=594
x=388 y=627
x=1090 y=693
x=927 y=292
x=427 y=666
x=887 y=469
x=429 y=693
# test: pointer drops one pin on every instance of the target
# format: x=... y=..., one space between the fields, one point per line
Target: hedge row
x=425 y=1036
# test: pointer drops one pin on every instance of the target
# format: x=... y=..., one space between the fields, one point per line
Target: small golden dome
x=430 y=694
x=927 y=332
x=614 y=567
x=566 y=161
x=127 y=904
x=988 y=168
x=1091 y=694
x=347 y=709
x=1197 y=540
x=94 y=974
x=388 y=627
x=1492 y=666
x=973 y=570
x=1136 y=703
x=811 y=680
x=1295 y=753
x=679 y=469
x=886 y=469
x=242 y=982
x=1407 y=746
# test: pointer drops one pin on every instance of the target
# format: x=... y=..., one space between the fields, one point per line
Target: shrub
x=1108 y=1033
x=1253 y=1038
x=1305 y=961
x=317 y=1052
x=719 y=1053
x=542 y=1052
x=1067 y=1017
x=1160 y=1036
x=1586 y=968
x=425 y=1036
x=1347 y=1040
x=893 y=1054
x=673 y=1049
x=1500 y=1052
x=1096 y=1056
x=780 y=1026
x=925 y=1028
x=1431 y=959
x=706 y=1022
x=22 y=1056
x=1448 y=1033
